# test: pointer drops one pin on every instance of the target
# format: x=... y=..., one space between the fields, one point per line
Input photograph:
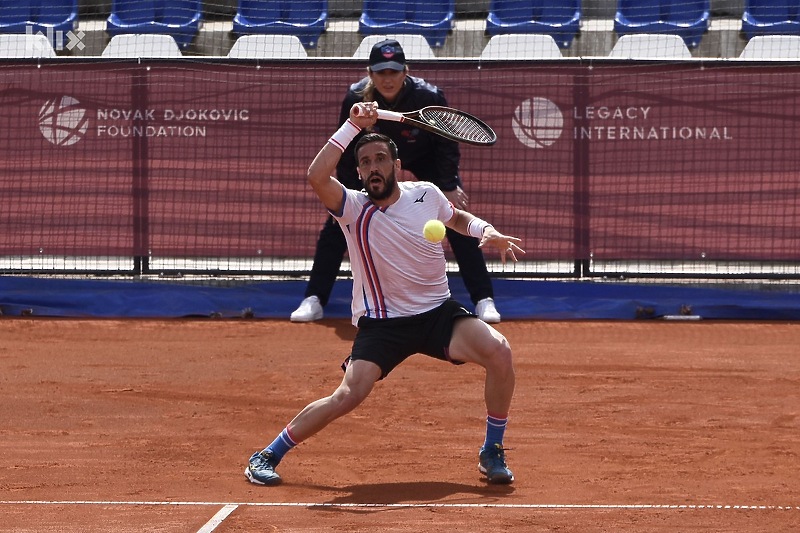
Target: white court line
x=218 y=518
x=633 y=506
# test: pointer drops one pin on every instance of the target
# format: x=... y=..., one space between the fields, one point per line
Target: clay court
x=656 y=426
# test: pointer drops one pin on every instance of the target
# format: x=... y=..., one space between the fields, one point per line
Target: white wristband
x=476 y=227
x=344 y=135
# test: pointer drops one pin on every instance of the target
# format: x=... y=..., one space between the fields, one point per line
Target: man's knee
x=346 y=399
x=501 y=356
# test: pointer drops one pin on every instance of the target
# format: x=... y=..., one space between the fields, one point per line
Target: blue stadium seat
x=53 y=19
x=14 y=16
x=305 y=19
x=687 y=18
x=177 y=18
x=771 y=17
x=558 y=18
x=432 y=19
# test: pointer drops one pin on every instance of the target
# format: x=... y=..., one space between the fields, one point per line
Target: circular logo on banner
x=537 y=122
x=62 y=121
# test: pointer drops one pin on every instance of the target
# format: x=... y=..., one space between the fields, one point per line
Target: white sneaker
x=487 y=312
x=310 y=310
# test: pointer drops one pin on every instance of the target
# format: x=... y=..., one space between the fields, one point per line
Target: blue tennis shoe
x=493 y=465
x=261 y=469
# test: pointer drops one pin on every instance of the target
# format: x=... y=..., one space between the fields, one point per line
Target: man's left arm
x=468 y=224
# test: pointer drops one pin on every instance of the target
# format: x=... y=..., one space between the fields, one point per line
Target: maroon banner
x=602 y=160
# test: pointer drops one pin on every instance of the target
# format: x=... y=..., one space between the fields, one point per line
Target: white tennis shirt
x=396 y=271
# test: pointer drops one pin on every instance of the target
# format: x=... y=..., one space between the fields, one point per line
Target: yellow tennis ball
x=433 y=230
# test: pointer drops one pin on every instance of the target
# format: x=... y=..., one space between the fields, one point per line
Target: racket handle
x=384 y=114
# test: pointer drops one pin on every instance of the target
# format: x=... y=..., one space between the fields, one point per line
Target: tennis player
x=401 y=299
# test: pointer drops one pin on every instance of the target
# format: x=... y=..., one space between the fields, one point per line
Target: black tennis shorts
x=387 y=342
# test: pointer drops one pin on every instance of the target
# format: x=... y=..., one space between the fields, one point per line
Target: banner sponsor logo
x=63 y=121
x=169 y=122
x=539 y=123
x=635 y=123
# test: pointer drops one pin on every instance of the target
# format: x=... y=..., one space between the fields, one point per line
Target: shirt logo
x=421 y=198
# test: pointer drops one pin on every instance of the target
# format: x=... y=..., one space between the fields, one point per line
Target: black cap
x=387 y=54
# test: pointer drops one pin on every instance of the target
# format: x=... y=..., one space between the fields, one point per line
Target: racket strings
x=459 y=125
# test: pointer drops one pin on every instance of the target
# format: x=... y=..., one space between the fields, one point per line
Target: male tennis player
x=401 y=299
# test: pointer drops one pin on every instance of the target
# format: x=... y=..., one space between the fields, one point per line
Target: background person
x=426 y=155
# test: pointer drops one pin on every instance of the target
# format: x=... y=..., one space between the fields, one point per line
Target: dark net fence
x=601 y=166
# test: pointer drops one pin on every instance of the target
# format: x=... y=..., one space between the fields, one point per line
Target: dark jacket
x=426 y=155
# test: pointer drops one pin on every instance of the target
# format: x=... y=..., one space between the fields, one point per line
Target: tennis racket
x=445 y=121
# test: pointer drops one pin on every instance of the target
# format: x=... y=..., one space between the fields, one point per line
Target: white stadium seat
x=521 y=46
x=24 y=45
x=650 y=46
x=772 y=47
x=142 y=45
x=268 y=47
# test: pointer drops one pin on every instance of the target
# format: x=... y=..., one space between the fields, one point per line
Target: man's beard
x=390 y=184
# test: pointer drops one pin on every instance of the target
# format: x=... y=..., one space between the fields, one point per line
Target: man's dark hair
x=377 y=137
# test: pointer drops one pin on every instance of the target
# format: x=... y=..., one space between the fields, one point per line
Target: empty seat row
x=638 y=46
x=416 y=47
x=54 y=19
x=434 y=19
x=306 y=19
x=16 y=45
x=690 y=18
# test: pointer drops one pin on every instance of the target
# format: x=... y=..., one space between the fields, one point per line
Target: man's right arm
x=321 y=169
x=346 y=168
x=319 y=176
